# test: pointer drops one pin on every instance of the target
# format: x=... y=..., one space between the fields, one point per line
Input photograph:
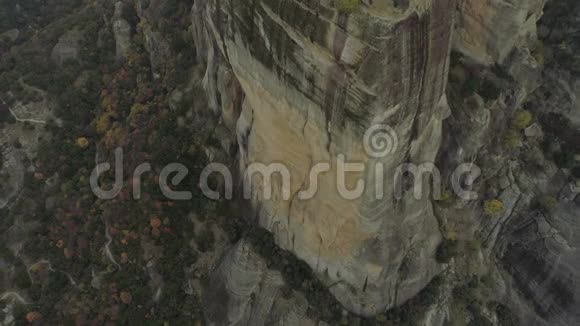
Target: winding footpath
x=18 y=118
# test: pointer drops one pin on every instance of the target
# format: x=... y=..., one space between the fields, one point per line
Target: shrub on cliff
x=575 y=172
x=564 y=159
x=512 y=139
x=347 y=6
x=546 y=203
x=493 y=207
x=446 y=250
x=489 y=91
x=505 y=316
x=538 y=52
x=205 y=241
x=522 y=119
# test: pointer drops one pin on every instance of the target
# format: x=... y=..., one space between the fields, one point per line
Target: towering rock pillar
x=314 y=79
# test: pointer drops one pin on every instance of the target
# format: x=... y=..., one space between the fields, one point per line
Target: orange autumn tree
x=155 y=222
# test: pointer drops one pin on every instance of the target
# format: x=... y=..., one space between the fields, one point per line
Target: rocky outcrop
x=122 y=32
x=539 y=247
x=11 y=171
x=314 y=79
x=488 y=30
x=542 y=261
x=246 y=292
x=560 y=95
x=158 y=49
x=534 y=242
x=300 y=83
x=67 y=48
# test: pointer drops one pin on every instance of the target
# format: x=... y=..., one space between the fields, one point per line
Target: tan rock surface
x=313 y=81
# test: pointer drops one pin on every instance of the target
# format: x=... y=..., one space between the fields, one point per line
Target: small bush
x=347 y=6
x=446 y=199
x=22 y=280
x=489 y=91
x=4 y=112
x=522 y=119
x=451 y=235
x=493 y=207
x=445 y=196
x=547 y=203
x=538 y=52
x=473 y=246
x=512 y=138
x=575 y=172
x=205 y=241
x=505 y=316
x=472 y=85
x=446 y=250
x=564 y=159
x=458 y=75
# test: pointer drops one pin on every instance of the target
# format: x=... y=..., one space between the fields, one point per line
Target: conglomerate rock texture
x=312 y=80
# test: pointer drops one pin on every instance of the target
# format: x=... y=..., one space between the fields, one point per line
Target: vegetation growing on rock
x=547 y=203
x=512 y=138
x=348 y=6
x=493 y=207
x=446 y=251
x=522 y=119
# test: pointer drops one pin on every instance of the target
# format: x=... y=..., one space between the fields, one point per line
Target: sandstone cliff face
x=313 y=80
x=488 y=30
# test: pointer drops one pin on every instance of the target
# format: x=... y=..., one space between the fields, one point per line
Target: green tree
x=446 y=250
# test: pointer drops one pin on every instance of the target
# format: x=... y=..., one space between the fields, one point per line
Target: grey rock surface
x=244 y=291
x=122 y=33
x=67 y=48
x=314 y=80
x=488 y=30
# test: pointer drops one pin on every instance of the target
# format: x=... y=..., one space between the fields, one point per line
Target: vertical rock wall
x=313 y=80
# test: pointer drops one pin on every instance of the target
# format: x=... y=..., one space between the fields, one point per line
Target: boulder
x=534 y=131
